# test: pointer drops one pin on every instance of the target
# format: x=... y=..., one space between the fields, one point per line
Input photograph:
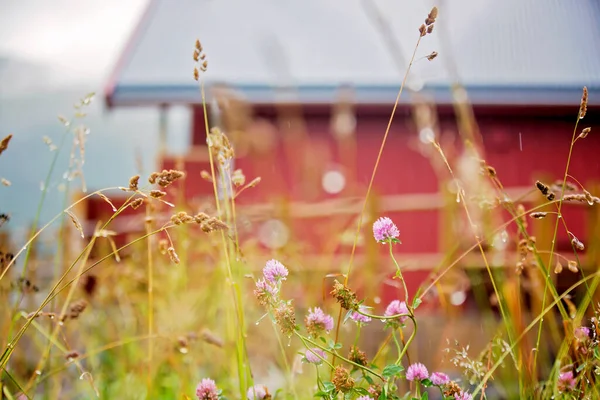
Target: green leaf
x=321 y=393
x=416 y=303
x=337 y=346
x=426 y=382
x=362 y=391
x=348 y=315
x=323 y=339
x=328 y=387
x=425 y=396
x=369 y=379
x=392 y=370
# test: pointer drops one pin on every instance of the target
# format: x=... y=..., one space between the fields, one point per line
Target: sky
x=52 y=53
x=77 y=41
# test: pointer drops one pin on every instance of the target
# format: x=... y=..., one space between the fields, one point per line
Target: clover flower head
x=439 y=378
x=384 y=230
x=582 y=333
x=359 y=318
x=566 y=381
x=396 y=307
x=258 y=392
x=207 y=390
x=417 y=371
x=311 y=356
x=274 y=271
x=463 y=396
x=317 y=321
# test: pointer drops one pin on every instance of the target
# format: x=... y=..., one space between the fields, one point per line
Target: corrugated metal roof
x=513 y=51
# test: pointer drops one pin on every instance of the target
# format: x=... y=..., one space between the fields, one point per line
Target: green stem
x=305 y=340
x=513 y=345
x=399 y=273
x=288 y=370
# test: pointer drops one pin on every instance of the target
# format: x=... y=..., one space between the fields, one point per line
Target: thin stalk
x=399 y=273
x=305 y=340
x=370 y=187
x=553 y=244
x=461 y=194
x=288 y=370
x=150 y=272
x=491 y=371
x=10 y=347
x=240 y=340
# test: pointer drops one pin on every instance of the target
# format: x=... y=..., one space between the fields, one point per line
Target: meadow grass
x=188 y=305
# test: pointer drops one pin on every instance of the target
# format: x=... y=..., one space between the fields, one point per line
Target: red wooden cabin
x=313 y=86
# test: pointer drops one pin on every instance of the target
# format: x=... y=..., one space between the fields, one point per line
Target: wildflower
x=396 y=307
x=452 y=389
x=265 y=292
x=566 y=381
x=286 y=319
x=463 y=396
x=274 y=271
x=207 y=390
x=360 y=319
x=582 y=333
x=258 y=392
x=375 y=391
x=439 y=378
x=317 y=321
x=345 y=296
x=342 y=380
x=312 y=356
x=417 y=371
x=364 y=398
x=357 y=356
x=385 y=231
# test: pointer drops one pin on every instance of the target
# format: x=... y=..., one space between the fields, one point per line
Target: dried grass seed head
x=432 y=55
x=584 y=102
x=173 y=255
x=133 y=183
x=165 y=177
x=157 y=194
x=136 y=203
x=213 y=224
x=584 y=133
x=238 y=178
x=572 y=266
x=433 y=14
x=577 y=244
x=538 y=215
x=4 y=143
x=423 y=30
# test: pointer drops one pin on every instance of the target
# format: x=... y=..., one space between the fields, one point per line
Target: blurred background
x=304 y=92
